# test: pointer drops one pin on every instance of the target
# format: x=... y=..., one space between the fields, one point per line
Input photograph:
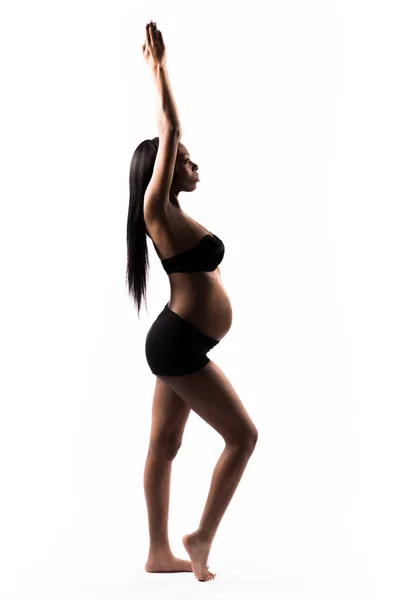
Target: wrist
x=156 y=69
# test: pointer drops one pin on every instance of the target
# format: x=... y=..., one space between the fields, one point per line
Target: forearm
x=167 y=113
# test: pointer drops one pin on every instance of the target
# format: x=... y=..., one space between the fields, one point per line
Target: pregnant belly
x=206 y=306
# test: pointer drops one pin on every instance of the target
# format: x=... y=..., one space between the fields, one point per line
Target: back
x=156 y=196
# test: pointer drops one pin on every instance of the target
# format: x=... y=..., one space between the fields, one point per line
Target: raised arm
x=155 y=55
x=169 y=126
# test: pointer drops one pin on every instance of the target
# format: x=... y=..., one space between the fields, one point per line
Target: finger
x=148 y=34
x=152 y=34
x=155 y=33
x=160 y=37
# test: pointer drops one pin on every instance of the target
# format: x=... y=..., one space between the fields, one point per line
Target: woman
x=195 y=319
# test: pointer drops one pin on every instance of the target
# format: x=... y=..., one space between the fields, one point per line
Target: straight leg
x=157 y=481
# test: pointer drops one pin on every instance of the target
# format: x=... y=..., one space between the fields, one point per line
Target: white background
x=290 y=109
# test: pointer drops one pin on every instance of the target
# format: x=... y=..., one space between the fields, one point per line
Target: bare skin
x=169 y=417
x=167 y=564
x=209 y=393
x=198 y=552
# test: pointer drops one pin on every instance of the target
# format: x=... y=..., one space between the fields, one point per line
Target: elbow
x=169 y=127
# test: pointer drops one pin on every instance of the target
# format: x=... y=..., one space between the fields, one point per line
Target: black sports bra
x=205 y=256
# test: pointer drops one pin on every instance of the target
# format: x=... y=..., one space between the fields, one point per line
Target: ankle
x=203 y=537
x=159 y=549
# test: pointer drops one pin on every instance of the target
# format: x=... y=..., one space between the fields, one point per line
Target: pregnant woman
x=197 y=316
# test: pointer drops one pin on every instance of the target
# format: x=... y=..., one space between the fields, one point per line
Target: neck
x=174 y=202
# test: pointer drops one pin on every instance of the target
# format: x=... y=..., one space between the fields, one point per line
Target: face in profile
x=187 y=177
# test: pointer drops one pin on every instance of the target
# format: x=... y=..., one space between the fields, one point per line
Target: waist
x=197 y=289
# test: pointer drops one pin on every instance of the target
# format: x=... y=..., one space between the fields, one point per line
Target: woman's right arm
x=156 y=197
x=155 y=56
x=167 y=113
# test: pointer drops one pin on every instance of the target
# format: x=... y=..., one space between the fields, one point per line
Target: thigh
x=169 y=416
x=212 y=396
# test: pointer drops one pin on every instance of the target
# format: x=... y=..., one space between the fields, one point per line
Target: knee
x=246 y=441
x=164 y=448
x=251 y=441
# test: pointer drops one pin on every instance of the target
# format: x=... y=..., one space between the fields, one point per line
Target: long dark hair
x=141 y=170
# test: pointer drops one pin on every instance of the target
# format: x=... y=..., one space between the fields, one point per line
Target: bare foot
x=198 y=552
x=167 y=564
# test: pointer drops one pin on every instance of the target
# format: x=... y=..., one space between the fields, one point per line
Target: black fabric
x=205 y=256
x=176 y=347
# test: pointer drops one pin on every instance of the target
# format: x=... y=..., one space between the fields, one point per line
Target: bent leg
x=210 y=394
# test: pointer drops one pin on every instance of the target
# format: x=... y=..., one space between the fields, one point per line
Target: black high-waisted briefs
x=176 y=347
